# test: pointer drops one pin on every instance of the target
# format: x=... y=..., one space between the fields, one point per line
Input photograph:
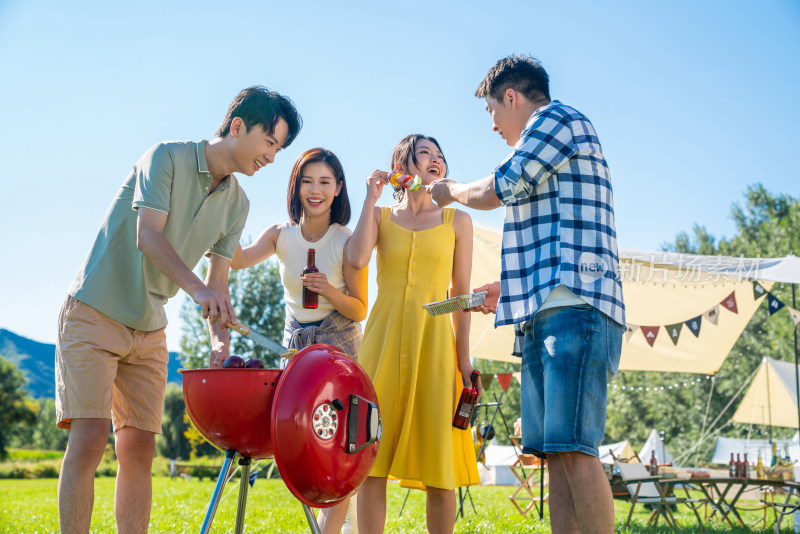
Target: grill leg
x=243 y=485
x=312 y=521
x=217 y=495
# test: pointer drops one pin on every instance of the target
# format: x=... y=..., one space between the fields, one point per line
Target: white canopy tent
x=654 y=443
x=754 y=447
x=497 y=469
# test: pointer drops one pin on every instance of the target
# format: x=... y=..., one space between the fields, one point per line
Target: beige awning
x=486 y=341
x=662 y=295
x=660 y=289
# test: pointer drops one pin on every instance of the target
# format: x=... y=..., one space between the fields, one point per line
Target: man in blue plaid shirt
x=559 y=283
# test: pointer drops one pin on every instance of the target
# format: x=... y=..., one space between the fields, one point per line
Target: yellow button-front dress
x=410 y=357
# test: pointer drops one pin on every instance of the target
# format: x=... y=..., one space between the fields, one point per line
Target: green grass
x=33 y=455
x=30 y=506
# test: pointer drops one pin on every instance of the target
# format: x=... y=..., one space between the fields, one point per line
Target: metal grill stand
x=224 y=473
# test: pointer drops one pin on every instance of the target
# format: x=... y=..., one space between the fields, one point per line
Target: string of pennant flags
x=504 y=379
x=711 y=316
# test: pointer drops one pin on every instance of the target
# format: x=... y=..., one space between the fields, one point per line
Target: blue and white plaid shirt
x=559 y=222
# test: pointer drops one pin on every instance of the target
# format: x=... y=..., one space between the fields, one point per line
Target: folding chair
x=643 y=488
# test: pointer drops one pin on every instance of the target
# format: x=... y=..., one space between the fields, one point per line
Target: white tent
x=654 y=443
x=771 y=399
x=753 y=447
x=497 y=471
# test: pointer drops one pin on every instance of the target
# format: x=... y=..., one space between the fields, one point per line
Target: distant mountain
x=37 y=362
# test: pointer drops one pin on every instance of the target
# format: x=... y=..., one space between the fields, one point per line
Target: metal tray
x=461 y=302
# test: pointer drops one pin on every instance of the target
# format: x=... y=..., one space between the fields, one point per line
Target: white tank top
x=292 y=251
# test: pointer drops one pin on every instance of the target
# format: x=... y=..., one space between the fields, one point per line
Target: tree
x=766 y=226
x=172 y=442
x=257 y=298
x=14 y=410
x=43 y=434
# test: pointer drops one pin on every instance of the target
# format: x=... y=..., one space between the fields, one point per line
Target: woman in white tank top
x=318 y=209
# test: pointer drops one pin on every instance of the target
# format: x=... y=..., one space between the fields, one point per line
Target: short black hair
x=521 y=73
x=258 y=105
x=340 y=208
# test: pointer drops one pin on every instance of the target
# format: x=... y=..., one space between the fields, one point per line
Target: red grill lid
x=311 y=414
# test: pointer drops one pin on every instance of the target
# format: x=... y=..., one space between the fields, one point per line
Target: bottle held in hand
x=310 y=297
x=466 y=403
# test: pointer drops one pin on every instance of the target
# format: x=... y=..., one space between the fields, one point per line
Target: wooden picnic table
x=722 y=493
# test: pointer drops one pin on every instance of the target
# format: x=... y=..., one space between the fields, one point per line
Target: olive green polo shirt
x=172 y=177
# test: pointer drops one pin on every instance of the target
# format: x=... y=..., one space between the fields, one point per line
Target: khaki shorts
x=106 y=370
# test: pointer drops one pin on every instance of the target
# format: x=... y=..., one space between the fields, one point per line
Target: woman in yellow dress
x=416 y=361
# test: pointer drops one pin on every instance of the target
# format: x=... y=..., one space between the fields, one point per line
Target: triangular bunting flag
x=712 y=315
x=694 y=325
x=650 y=334
x=774 y=303
x=630 y=330
x=758 y=290
x=674 y=331
x=486 y=380
x=730 y=302
x=518 y=376
x=795 y=314
x=504 y=380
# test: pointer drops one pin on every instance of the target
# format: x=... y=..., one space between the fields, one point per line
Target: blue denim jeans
x=568 y=355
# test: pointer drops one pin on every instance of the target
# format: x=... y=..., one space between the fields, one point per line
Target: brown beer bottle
x=309 y=297
x=466 y=403
x=732 y=467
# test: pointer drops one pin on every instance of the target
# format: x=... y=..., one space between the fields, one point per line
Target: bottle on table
x=745 y=467
x=653 y=463
x=774 y=453
x=466 y=403
x=759 y=467
x=738 y=465
x=732 y=467
x=310 y=297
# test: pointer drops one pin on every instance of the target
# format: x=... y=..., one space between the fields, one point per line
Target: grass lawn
x=29 y=506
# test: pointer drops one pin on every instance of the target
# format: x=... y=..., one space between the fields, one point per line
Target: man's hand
x=441 y=191
x=492 y=296
x=215 y=306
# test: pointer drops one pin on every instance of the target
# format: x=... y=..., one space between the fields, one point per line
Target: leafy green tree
x=257 y=298
x=767 y=225
x=43 y=434
x=15 y=412
x=172 y=443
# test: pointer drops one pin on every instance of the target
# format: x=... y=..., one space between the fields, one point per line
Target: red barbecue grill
x=318 y=418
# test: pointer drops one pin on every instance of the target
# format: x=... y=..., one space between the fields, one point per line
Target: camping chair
x=643 y=488
x=625 y=460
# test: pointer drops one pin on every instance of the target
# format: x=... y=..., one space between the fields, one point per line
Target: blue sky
x=693 y=102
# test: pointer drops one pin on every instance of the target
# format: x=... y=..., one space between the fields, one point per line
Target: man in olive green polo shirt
x=179 y=202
